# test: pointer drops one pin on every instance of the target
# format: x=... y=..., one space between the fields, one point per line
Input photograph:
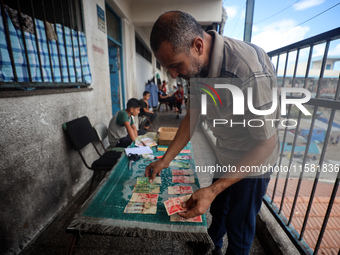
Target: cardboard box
x=166 y=135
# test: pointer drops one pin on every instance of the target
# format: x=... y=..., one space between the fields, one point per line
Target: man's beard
x=195 y=69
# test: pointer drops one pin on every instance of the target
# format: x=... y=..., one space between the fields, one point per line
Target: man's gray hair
x=177 y=28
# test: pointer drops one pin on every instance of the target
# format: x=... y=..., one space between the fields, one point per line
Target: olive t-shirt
x=116 y=128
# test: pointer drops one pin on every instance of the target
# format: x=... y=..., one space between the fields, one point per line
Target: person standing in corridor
x=186 y=50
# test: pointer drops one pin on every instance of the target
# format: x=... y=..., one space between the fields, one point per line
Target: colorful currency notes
x=143 y=208
x=153 y=188
x=161 y=148
x=139 y=143
x=176 y=218
x=183 y=179
x=145 y=180
x=174 y=190
x=182 y=172
x=144 y=198
x=180 y=164
x=185 y=151
x=148 y=142
x=183 y=157
x=174 y=205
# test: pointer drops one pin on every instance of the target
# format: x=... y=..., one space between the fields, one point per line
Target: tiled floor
x=54 y=240
x=331 y=241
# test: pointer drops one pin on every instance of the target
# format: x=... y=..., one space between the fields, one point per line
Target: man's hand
x=155 y=168
x=198 y=203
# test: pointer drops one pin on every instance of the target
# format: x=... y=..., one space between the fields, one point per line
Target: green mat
x=103 y=212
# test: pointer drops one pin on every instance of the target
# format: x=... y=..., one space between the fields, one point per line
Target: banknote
x=180 y=190
x=143 y=208
x=182 y=172
x=148 y=142
x=161 y=148
x=183 y=157
x=145 y=180
x=175 y=217
x=144 y=198
x=180 y=164
x=185 y=151
x=183 y=179
x=138 y=143
x=153 y=188
x=174 y=205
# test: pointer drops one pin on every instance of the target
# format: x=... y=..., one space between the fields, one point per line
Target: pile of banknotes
x=145 y=194
x=174 y=205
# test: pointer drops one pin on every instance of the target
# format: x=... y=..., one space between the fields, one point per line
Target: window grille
x=42 y=44
x=143 y=51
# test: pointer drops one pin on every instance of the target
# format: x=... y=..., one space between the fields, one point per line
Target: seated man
x=122 y=130
x=163 y=97
x=144 y=111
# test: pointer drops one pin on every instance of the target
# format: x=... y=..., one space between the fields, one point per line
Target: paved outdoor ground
x=331 y=241
x=54 y=240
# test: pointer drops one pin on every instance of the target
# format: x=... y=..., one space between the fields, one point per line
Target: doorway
x=113 y=23
x=115 y=77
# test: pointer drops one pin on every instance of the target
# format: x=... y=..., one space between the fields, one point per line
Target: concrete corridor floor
x=55 y=240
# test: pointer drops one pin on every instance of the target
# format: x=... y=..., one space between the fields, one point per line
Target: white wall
x=40 y=173
x=204 y=11
x=143 y=74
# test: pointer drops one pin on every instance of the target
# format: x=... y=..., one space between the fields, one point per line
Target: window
x=113 y=27
x=328 y=67
x=142 y=50
x=42 y=44
x=158 y=65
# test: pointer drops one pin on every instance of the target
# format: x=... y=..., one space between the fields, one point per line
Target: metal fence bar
x=329 y=35
x=284 y=137
x=295 y=137
x=285 y=70
x=47 y=41
x=316 y=179
x=24 y=42
x=64 y=37
x=323 y=149
x=283 y=144
x=70 y=15
x=277 y=63
x=57 y=42
x=74 y=23
x=301 y=245
x=8 y=40
x=305 y=154
x=81 y=63
x=275 y=184
x=328 y=212
x=278 y=173
x=333 y=104
x=322 y=70
x=37 y=42
x=336 y=184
